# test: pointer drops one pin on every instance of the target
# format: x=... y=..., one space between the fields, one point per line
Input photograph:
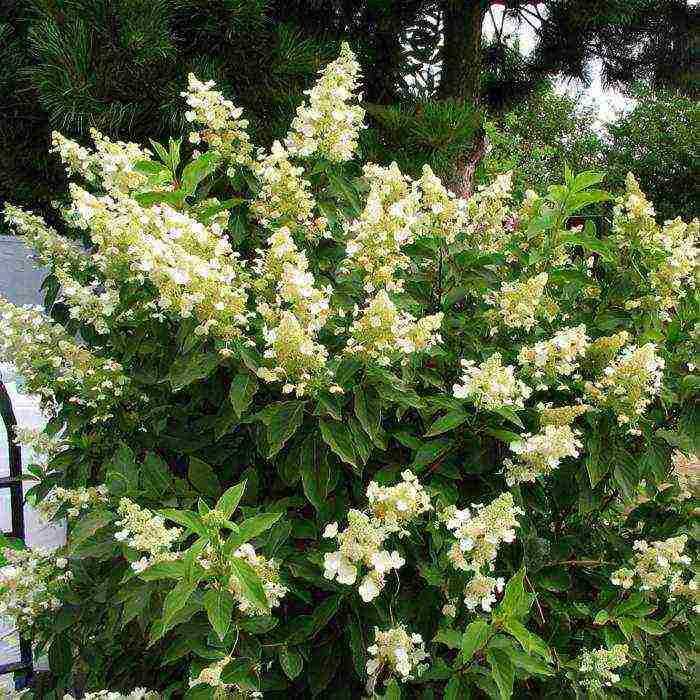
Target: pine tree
x=430 y=72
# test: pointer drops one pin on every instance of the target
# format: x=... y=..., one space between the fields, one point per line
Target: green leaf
x=516 y=602
x=456 y=690
x=203 y=478
x=315 y=472
x=474 y=637
x=282 y=421
x=187 y=518
x=449 y=637
x=291 y=662
x=155 y=475
x=651 y=627
x=87 y=526
x=429 y=453
x=176 y=599
x=60 y=655
x=198 y=169
x=229 y=501
x=249 y=582
x=368 y=409
x=242 y=391
x=503 y=671
x=503 y=435
x=510 y=415
x=529 y=663
x=338 y=437
x=447 y=422
x=530 y=642
x=393 y=692
x=164 y=569
x=219 y=606
x=192 y=367
x=251 y=528
x=122 y=472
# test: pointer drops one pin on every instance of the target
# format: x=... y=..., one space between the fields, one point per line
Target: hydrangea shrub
x=322 y=430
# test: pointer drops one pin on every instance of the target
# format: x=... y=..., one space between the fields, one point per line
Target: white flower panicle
x=521 y=304
x=481 y=591
x=387 y=224
x=192 y=265
x=222 y=128
x=145 y=532
x=598 y=666
x=656 y=565
x=557 y=357
x=285 y=197
x=443 y=214
x=329 y=123
x=670 y=252
x=380 y=332
x=92 y=304
x=111 y=165
x=42 y=445
x=392 y=508
x=491 y=385
x=298 y=361
x=30 y=585
x=479 y=532
x=283 y=281
x=686 y=468
x=540 y=454
x=268 y=571
x=629 y=384
x=489 y=227
x=77 y=500
x=54 y=366
x=399 y=504
x=50 y=247
x=398 y=652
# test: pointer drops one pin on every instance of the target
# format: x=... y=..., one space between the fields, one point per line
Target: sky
x=608 y=102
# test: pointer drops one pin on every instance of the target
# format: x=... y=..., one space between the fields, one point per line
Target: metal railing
x=13 y=483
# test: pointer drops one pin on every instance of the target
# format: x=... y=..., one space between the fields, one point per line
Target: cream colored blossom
x=521 y=304
x=629 y=384
x=31 y=583
x=383 y=333
x=145 y=532
x=192 y=265
x=479 y=532
x=398 y=652
x=491 y=385
x=399 y=504
x=656 y=565
x=77 y=500
x=540 y=454
x=329 y=124
x=54 y=366
x=361 y=543
x=598 y=666
x=557 y=357
x=387 y=223
x=221 y=126
x=50 y=247
x=481 y=591
x=268 y=571
x=91 y=304
x=490 y=219
x=443 y=215
x=296 y=360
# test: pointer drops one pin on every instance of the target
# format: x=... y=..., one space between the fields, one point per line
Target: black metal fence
x=13 y=483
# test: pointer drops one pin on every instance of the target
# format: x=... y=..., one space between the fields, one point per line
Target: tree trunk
x=461 y=51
